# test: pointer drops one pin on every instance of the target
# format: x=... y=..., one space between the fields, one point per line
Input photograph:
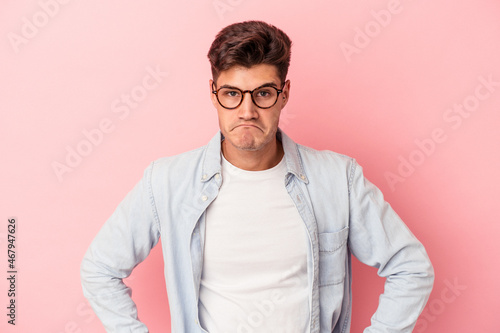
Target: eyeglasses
x=264 y=96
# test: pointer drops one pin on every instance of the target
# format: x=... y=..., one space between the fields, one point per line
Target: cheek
x=225 y=119
x=275 y=118
x=221 y=116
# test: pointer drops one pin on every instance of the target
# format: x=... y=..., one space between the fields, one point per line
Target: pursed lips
x=247 y=125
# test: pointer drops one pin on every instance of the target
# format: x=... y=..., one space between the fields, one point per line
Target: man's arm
x=124 y=241
x=380 y=239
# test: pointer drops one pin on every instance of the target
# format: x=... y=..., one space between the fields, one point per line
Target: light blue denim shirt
x=343 y=213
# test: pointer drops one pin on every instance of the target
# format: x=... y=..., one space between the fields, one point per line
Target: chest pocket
x=332 y=256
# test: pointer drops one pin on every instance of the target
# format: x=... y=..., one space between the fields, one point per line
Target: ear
x=286 y=92
x=212 y=95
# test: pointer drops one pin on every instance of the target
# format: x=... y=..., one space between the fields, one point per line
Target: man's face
x=249 y=127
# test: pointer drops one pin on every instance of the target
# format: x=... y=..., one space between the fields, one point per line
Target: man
x=256 y=230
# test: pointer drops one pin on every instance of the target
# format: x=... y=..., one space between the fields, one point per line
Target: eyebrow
x=268 y=84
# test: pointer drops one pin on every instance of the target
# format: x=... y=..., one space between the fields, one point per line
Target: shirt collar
x=211 y=164
x=292 y=157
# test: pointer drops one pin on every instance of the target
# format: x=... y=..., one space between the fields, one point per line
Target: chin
x=248 y=146
x=245 y=144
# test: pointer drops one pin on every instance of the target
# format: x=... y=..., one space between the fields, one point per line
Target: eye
x=264 y=92
x=230 y=93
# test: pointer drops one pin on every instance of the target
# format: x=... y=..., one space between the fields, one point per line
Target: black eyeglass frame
x=243 y=92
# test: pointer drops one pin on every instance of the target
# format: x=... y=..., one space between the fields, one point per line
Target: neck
x=262 y=159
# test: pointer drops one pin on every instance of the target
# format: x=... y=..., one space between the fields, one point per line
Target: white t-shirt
x=254 y=275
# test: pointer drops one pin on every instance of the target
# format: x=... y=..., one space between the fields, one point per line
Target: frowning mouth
x=246 y=126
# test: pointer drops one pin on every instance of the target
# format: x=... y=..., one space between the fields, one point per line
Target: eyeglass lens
x=263 y=97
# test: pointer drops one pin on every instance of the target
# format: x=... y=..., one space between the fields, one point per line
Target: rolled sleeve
x=379 y=238
x=124 y=241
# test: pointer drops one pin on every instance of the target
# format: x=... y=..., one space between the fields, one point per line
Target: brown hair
x=250 y=43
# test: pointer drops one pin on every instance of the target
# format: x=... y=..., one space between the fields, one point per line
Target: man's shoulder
x=309 y=154
x=323 y=153
x=327 y=167
x=324 y=157
x=176 y=171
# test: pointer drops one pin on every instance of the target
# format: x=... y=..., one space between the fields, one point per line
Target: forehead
x=247 y=78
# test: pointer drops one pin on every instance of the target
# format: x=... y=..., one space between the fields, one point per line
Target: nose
x=247 y=109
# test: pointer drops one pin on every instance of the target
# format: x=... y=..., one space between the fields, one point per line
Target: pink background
x=63 y=70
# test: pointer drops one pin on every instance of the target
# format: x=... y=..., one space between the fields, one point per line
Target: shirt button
x=204 y=198
x=217 y=176
x=302 y=177
x=204 y=177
